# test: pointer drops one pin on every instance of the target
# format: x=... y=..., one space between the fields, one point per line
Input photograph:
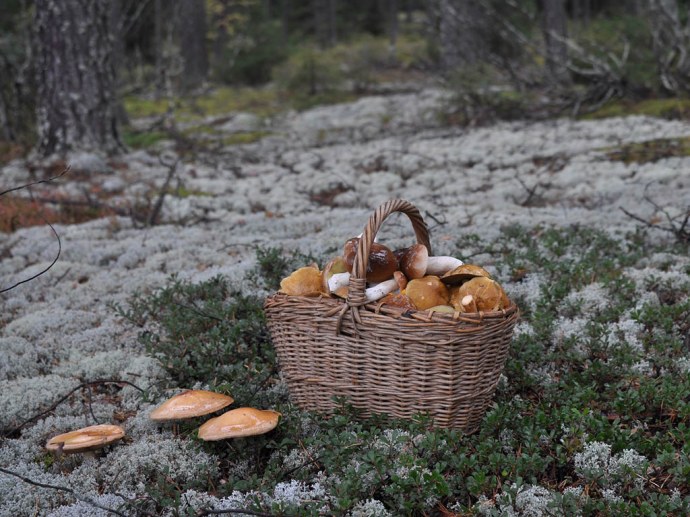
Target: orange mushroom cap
x=239 y=422
x=85 y=439
x=190 y=404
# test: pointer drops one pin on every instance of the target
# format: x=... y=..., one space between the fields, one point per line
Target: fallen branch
x=78 y=497
x=678 y=225
x=64 y=398
x=50 y=225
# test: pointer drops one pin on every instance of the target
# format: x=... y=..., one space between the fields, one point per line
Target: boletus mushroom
x=382 y=262
x=487 y=295
x=238 y=423
x=86 y=439
x=190 y=404
x=427 y=292
x=463 y=273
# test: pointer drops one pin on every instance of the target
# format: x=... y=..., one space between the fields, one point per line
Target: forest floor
x=304 y=182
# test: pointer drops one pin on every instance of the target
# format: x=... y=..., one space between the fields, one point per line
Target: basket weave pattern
x=386 y=359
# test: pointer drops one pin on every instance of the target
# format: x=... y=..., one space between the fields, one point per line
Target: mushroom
x=414 y=261
x=381 y=265
x=462 y=273
x=336 y=266
x=306 y=281
x=398 y=300
x=440 y=265
x=400 y=277
x=239 y=422
x=86 y=439
x=190 y=404
x=338 y=285
x=487 y=295
x=446 y=309
x=427 y=292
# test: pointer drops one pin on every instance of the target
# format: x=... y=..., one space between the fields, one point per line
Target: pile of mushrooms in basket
x=407 y=278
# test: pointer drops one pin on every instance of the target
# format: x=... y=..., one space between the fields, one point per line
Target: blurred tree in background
x=502 y=54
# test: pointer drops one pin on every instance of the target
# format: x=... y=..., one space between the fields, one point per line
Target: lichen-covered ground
x=308 y=185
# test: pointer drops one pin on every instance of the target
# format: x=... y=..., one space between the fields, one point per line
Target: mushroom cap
x=488 y=295
x=306 y=281
x=463 y=273
x=382 y=262
x=446 y=309
x=414 y=260
x=427 y=292
x=190 y=404
x=244 y=421
x=398 y=300
x=85 y=439
x=335 y=265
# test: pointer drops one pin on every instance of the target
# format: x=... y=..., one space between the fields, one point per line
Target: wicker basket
x=385 y=359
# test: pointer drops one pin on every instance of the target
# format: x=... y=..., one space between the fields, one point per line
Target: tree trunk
x=191 y=37
x=285 y=19
x=554 y=23
x=392 y=24
x=75 y=76
x=463 y=33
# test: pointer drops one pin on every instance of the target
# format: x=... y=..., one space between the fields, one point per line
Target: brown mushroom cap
x=414 y=260
x=427 y=292
x=85 y=439
x=239 y=422
x=190 y=404
x=306 y=281
x=382 y=263
x=398 y=300
x=463 y=273
x=487 y=295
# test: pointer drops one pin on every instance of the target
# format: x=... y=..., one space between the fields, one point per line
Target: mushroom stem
x=338 y=280
x=440 y=265
x=378 y=291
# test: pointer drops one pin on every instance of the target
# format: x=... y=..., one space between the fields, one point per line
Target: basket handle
x=356 y=295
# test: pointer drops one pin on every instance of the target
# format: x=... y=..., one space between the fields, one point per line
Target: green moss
x=138 y=107
x=143 y=140
x=247 y=137
x=663 y=108
x=651 y=150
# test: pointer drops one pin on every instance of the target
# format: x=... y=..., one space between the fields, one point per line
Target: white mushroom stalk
x=437 y=266
x=373 y=293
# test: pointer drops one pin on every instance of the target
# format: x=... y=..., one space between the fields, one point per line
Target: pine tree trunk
x=75 y=76
x=463 y=33
x=191 y=36
x=555 y=33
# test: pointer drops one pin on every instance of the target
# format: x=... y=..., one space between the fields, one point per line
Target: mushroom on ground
x=86 y=439
x=190 y=404
x=239 y=422
x=427 y=292
x=381 y=265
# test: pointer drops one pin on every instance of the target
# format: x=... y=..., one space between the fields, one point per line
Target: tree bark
x=75 y=76
x=463 y=33
x=191 y=37
x=555 y=28
x=393 y=24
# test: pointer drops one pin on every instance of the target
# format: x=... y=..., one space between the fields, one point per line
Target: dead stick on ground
x=62 y=399
x=82 y=498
